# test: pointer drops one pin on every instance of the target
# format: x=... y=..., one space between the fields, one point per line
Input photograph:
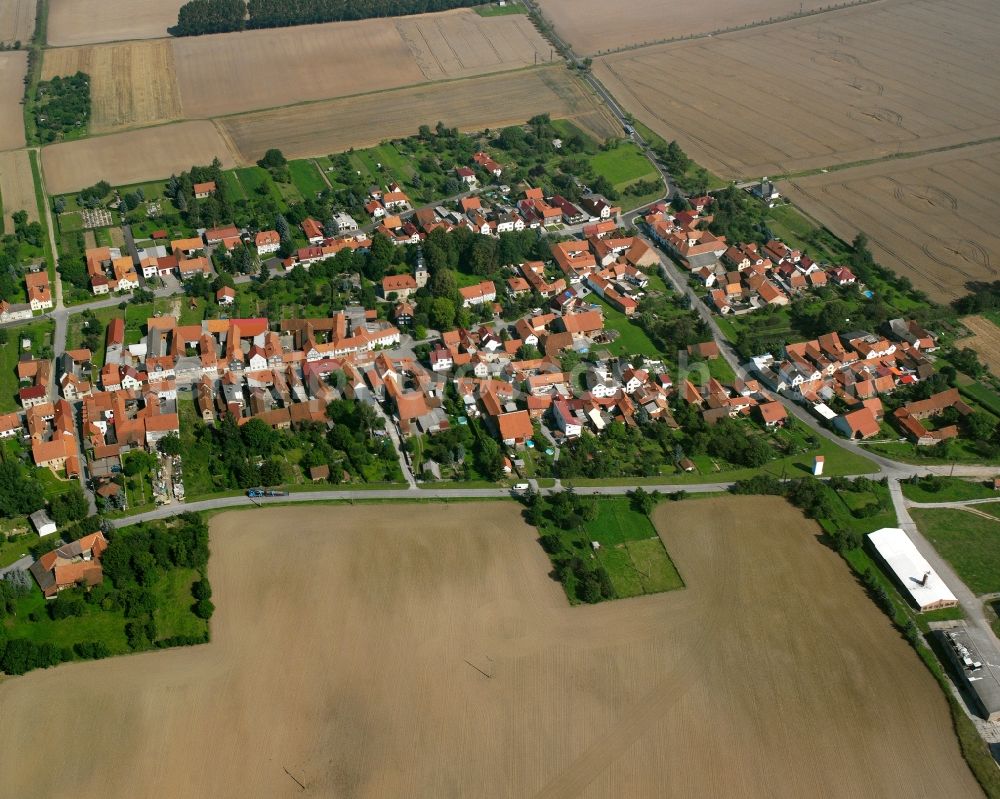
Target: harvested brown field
x=592 y=26
x=153 y=153
x=985 y=340
x=262 y=69
x=932 y=218
x=130 y=83
x=473 y=104
x=13 y=67
x=845 y=86
x=17 y=189
x=74 y=22
x=17 y=21
x=363 y=657
x=458 y=44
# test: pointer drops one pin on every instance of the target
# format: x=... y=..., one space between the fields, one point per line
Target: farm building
x=912 y=571
x=980 y=678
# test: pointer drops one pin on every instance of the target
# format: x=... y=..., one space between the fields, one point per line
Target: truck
x=254 y=492
x=274 y=492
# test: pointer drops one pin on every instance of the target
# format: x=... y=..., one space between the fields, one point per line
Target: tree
x=19 y=493
x=204 y=609
x=442 y=313
x=642 y=500
x=170 y=444
x=70 y=506
x=273 y=159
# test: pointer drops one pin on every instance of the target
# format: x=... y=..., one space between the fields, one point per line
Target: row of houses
x=854 y=371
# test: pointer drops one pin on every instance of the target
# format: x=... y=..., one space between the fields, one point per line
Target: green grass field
x=231 y=187
x=952 y=489
x=632 y=338
x=970 y=543
x=94 y=625
x=306 y=177
x=195 y=459
x=623 y=165
x=173 y=613
x=40 y=334
x=631 y=551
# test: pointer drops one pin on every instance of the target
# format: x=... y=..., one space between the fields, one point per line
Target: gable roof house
x=75 y=563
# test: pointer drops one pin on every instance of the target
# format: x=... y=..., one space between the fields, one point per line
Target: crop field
x=932 y=218
x=13 y=66
x=17 y=189
x=485 y=102
x=166 y=149
x=985 y=340
x=849 y=85
x=73 y=22
x=437 y=658
x=130 y=83
x=262 y=69
x=461 y=43
x=17 y=21
x=593 y=26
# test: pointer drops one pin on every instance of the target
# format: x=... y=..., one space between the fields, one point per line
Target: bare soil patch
x=17 y=21
x=985 y=340
x=485 y=102
x=132 y=156
x=17 y=188
x=932 y=218
x=130 y=83
x=13 y=66
x=592 y=26
x=91 y=21
x=370 y=657
x=845 y=86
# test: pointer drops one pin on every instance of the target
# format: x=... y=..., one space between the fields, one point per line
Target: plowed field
x=836 y=88
x=423 y=651
x=591 y=26
x=17 y=21
x=92 y=21
x=932 y=218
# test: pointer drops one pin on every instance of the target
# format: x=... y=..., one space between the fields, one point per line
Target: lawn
x=195 y=459
x=945 y=489
x=40 y=334
x=623 y=165
x=306 y=177
x=173 y=605
x=231 y=187
x=74 y=331
x=970 y=543
x=632 y=339
x=135 y=321
x=94 y=625
x=630 y=550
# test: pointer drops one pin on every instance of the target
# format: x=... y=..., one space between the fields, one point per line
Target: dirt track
x=350 y=649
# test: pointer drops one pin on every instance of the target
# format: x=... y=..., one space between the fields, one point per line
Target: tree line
x=220 y=16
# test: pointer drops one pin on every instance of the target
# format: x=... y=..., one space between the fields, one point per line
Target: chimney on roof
x=923 y=580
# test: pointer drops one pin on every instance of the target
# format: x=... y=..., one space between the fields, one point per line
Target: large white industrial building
x=913 y=573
